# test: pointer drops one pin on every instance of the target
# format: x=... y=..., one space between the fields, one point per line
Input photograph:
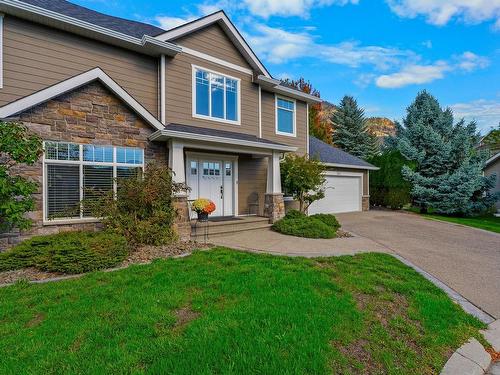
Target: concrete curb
x=471 y=358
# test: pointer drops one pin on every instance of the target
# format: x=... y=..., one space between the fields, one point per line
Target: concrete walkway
x=464 y=258
x=265 y=240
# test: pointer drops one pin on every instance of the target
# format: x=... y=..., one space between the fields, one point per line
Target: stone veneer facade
x=274 y=207
x=90 y=114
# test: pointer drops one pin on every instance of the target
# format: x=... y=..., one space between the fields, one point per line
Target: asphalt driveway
x=466 y=259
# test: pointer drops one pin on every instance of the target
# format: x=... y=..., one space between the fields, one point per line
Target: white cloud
x=167 y=23
x=427 y=43
x=287 y=8
x=485 y=112
x=469 y=61
x=440 y=12
x=413 y=74
x=280 y=46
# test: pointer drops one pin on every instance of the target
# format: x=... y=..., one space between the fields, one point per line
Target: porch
x=240 y=173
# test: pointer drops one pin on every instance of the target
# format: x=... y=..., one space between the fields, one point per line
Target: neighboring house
x=493 y=168
x=347 y=180
x=109 y=95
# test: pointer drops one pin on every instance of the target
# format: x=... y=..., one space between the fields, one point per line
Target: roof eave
x=165 y=134
x=339 y=165
x=147 y=45
x=492 y=159
x=223 y=20
x=275 y=86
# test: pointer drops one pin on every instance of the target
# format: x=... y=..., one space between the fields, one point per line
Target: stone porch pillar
x=274 y=205
x=176 y=164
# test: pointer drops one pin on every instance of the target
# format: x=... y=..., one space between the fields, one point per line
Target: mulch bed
x=143 y=255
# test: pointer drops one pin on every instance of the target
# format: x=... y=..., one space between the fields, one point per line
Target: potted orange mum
x=203 y=207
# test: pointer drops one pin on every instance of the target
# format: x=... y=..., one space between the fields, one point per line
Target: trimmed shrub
x=71 y=252
x=328 y=219
x=295 y=214
x=143 y=209
x=304 y=227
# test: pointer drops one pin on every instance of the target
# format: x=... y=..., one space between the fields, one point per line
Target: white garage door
x=342 y=194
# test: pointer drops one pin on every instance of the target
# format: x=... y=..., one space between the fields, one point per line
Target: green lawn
x=491 y=223
x=223 y=311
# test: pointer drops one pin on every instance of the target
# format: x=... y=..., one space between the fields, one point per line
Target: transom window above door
x=216 y=96
x=285 y=116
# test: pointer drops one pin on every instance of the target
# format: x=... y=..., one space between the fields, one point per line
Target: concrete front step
x=222 y=228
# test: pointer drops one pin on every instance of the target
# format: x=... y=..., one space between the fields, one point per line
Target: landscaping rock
x=492 y=335
x=470 y=359
x=474 y=351
x=459 y=365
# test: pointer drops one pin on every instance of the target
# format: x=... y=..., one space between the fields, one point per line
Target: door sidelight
x=222 y=192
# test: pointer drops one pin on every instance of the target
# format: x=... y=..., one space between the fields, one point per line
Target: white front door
x=212 y=178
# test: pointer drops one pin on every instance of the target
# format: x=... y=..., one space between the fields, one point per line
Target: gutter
x=338 y=165
x=164 y=134
x=275 y=86
x=147 y=45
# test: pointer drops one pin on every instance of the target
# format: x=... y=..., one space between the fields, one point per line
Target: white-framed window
x=285 y=116
x=77 y=172
x=216 y=96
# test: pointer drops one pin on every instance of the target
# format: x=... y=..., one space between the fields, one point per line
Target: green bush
x=308 y=227
x=328 y=219
x=294 y=214
x=72 y=252
x=142 y=210
x=388 y=188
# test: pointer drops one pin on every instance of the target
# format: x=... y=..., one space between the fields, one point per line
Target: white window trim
x=276 y=97
x=1 y=50
x=210 y=118
x=80 y=163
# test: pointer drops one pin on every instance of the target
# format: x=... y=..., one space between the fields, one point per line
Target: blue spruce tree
x=448 y=172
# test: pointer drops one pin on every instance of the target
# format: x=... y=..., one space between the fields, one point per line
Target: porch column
x=274 y=206
x=176 y=161
x=176 y=164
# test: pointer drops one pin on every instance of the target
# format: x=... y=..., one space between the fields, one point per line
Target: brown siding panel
x=179 y=100
x=252 y=183
x=269 y=123
x=36 y=57
x=213 y=41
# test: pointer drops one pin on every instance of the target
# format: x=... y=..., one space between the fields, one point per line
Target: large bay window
x=215 y=96
x=74 y=173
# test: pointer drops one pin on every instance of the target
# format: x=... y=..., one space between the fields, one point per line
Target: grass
x=490 y=222
x=223 y=311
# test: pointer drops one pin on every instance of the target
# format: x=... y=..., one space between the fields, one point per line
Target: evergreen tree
x=448 y=169
x=350 y=129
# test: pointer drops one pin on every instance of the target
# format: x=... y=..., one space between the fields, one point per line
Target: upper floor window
x=285 y=116
x=216 y=96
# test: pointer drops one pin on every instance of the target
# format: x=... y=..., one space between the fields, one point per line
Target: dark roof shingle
x=124 y=26
x=329 y=154
x=219 y=133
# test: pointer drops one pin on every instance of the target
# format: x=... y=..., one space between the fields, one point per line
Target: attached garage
x=347 y=180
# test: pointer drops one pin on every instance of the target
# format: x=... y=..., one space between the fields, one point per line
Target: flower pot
x=202 y=216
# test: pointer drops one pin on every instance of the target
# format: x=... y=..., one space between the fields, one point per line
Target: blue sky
x=381 y=52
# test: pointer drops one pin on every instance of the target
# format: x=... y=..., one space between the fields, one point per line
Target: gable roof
x=74 y=83
x=122 y=25
x=335 y=157
x=232 y=32
x=63 y=15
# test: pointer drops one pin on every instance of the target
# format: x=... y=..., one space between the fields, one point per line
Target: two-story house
x=108 y=95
